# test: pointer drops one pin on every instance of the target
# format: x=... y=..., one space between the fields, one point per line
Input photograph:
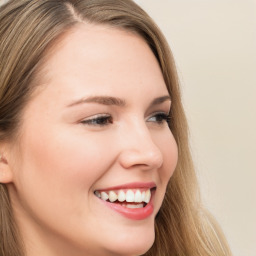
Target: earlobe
x=5 y=171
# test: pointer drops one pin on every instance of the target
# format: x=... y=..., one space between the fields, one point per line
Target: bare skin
x=71 y=147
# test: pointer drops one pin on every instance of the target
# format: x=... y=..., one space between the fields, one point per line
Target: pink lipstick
x=133 y=200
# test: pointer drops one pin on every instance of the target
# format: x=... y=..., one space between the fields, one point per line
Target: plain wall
x=214 y=45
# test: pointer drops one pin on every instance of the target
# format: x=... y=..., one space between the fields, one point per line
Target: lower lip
x=134 y=214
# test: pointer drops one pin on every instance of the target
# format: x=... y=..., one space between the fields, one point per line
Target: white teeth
x=147 y=196
x=121 y=196
x=112 y=196
x=129 y=196
x=104 y=196
x=137 y=197
x=133 y=206
x=143 y=196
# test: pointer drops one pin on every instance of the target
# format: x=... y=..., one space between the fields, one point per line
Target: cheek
x=68 y=158
x=60 y=168
x=168 y=146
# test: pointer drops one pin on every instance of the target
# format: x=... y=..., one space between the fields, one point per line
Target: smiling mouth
x=129 y=198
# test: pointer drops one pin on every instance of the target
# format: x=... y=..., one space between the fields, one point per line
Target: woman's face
x=95 y=129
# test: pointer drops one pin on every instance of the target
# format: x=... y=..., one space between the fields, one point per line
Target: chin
x=132 y=246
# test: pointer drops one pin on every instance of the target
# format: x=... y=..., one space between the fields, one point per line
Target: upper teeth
x=130 y=196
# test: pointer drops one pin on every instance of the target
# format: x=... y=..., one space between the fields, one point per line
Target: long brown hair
x=27 y=30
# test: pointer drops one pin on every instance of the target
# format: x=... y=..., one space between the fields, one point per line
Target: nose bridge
x=139 y=147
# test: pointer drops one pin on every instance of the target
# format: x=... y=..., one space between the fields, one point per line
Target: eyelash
x=104 y=120
x=98 y=120
x=161 y=118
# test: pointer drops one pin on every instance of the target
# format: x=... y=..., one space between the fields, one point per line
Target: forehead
x=102 y=57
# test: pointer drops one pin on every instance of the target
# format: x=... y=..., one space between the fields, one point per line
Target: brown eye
x=159 y=118
x=99 y=120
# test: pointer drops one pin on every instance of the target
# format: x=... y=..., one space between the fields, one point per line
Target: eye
x=159 y=118
x=98 y=120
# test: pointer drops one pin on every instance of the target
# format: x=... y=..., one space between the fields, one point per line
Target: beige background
x=214 y=44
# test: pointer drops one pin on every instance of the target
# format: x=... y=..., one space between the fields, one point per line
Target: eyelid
x=97 y=120
x=96 y=116
x=167 y=113
x=165 y=116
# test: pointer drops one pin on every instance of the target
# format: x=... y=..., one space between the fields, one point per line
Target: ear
x=6 y=175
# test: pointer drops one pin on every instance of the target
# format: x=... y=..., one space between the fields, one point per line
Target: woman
x=92 y=128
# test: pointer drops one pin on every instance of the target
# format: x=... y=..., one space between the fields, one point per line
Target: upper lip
x=133 y=185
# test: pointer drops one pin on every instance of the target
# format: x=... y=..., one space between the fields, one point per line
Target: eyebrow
x=108 y=100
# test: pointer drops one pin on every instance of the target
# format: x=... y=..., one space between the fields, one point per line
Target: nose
x=140 y=150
